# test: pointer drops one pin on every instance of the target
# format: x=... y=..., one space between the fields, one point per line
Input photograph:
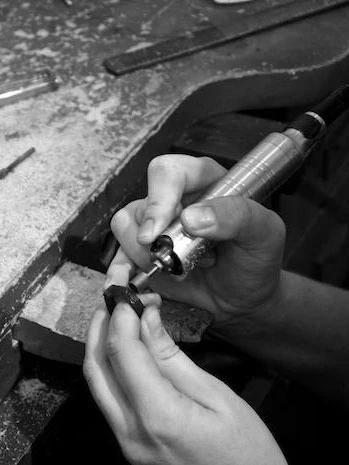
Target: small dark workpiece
x=115 y=294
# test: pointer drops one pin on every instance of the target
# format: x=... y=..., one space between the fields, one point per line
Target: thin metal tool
x=255 y=176
x=5 y=171
x=45 y=81
x=213 y=36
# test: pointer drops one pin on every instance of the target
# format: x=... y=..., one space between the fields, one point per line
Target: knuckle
x=277 y=225
x=122 y=217
x=239 y=210
x=152 y=207
x=225 y=397
x=140 y=206
x=135 y=453
x=153 y=203
x=112 y=347
x=115 y=220
x=167 y=351
x=246 y=211
x=273 y=229
x=133 y=444
x=160 y=164
x=208 y=162
x=159 y=425
x=119 y=221
x=208 y=166
x=88 y=370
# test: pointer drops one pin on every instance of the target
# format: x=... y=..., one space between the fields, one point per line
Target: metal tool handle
x=255 y=176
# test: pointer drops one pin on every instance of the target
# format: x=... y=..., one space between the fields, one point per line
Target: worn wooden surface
x=30 y=406
x=54 y=323
x=88 y=134
x=9 y=363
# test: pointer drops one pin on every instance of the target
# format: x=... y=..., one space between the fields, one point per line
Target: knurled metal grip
x=255 y=176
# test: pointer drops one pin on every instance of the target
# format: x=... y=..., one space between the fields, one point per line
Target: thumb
x=177 y=367
x=247 y=222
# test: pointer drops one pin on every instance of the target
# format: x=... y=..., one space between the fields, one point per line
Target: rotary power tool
x=255 y=176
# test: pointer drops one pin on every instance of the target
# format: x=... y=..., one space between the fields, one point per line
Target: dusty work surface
x=42 y=389
x=54 y=323
x=94 y=125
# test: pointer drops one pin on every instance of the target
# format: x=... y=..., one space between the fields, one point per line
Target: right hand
x=244 y=275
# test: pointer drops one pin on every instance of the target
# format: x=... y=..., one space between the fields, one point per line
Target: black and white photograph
x=174 y=232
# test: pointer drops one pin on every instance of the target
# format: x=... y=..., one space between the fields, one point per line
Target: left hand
x=163 y=408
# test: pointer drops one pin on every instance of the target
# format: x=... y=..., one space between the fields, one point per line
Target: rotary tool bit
x=255 y=176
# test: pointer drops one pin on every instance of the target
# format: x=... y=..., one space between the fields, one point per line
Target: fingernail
x=154 y=323
x=145 y=232
x=199 y=217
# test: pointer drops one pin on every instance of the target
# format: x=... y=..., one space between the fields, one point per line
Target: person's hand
x=164 y=409
x=243 y=275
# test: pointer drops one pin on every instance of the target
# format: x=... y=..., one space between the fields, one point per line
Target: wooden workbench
x=95 y=125
x=95 y=135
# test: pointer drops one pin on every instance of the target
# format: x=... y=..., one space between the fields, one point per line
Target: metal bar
x=5 y=171
x=213 y=36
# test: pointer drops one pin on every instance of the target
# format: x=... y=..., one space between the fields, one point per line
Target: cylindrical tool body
x=255 y=176
x=262 y=170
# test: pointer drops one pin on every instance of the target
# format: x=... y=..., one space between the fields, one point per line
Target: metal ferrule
x=255 y=176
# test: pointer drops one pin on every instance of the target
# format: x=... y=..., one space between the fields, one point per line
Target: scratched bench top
x=88 y=130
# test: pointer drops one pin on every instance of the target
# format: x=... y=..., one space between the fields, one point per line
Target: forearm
x=303 y=334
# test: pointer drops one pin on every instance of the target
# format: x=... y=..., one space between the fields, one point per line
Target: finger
x=250 y=224
x=120 y=270
x=125 y=227
x=140 y=206
x=179 y=369
x=169 y=178
x=135 y=367
x=109 y=249
x=150 y=298
x=104 y=387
